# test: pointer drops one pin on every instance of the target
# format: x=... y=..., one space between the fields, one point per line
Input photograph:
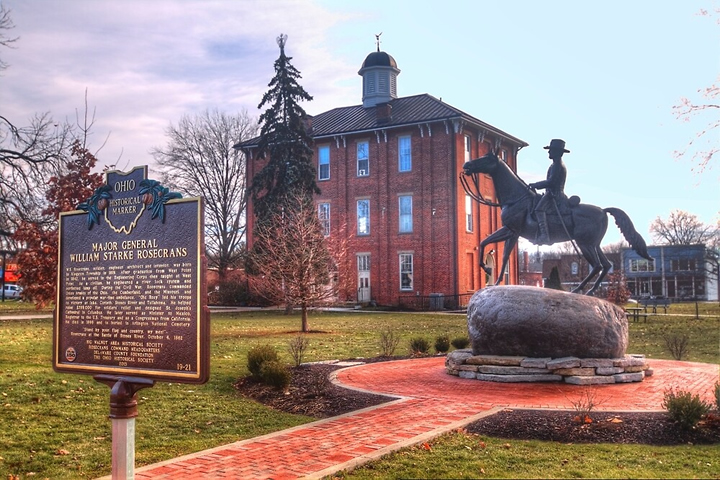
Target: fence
x=434 y=302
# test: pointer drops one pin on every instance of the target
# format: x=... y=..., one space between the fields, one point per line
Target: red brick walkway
x=431 y=403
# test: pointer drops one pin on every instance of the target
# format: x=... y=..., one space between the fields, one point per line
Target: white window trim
x=469 y=216
x=362 y=172
x=324 y=147
x=401 y=216
x=411 y=287
x=409 y=140
x=324 y=222
x=357 y=212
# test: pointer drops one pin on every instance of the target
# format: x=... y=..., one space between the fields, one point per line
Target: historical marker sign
x=132 y=297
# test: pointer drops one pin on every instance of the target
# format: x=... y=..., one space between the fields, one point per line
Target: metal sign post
x=123 y=410
x=131 y=305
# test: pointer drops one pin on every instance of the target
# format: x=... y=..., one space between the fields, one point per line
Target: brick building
x=389 y=173
x=573 y=268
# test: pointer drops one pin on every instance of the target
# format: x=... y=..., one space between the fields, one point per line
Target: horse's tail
x=628 y=230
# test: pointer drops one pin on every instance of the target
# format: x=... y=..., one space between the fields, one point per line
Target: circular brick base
x=573 y=370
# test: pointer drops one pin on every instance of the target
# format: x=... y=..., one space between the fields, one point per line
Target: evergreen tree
x=284 y=142
x=289 y=259
x=553 y=281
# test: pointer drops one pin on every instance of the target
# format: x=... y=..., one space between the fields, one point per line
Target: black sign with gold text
x=132 y=296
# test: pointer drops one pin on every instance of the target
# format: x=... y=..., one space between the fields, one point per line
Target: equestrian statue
x=548 y=218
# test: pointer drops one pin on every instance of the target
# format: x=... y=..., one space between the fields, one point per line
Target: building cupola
x=379 y=73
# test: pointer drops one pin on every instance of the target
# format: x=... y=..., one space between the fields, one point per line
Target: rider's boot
x=543 y=237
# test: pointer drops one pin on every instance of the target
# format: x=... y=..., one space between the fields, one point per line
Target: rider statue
x=554 y=189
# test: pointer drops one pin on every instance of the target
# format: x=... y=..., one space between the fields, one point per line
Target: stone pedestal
x=577 y=371
x=533 y=322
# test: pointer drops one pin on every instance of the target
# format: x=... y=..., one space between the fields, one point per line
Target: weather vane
x=281 y=40
x=377 y=39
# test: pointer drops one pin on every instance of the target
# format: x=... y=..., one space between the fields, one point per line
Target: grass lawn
x=56 y=426
x=459 y=455
x=16 y=307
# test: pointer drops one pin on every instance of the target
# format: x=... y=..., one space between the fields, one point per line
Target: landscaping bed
x=312 y=394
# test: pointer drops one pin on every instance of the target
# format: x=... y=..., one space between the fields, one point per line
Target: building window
x=406 y=218
x=404 y=154
x=503 y=155
x=468 y=213
x=363 y=217
x=324 y=163
x=324 y=216
x=467 y=148
x=406 y=271
x=574 y=268
x=642 y=265
x=363 y=159
x=471 y=271
x=683 y=265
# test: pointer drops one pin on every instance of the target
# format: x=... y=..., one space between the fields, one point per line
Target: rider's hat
x=557 y=144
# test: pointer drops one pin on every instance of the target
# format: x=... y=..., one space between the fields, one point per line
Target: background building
x=389 y=174
x=574 y=268
x=679 y=272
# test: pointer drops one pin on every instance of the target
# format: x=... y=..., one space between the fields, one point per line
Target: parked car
x=12 y=291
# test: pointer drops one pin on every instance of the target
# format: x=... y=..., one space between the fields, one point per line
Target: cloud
x=145 y=64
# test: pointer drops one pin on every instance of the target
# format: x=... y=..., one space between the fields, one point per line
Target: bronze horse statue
x=585 y=224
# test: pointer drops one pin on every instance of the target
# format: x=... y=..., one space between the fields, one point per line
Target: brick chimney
x=384 y=112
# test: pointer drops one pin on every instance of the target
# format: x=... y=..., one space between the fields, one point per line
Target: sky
x=603 y=76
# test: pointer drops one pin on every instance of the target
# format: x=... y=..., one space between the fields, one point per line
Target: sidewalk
x=429 y=403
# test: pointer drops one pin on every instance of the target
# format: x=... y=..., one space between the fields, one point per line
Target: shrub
x=275 y=374
x=617 y=291
x=259 y=355
x=677 y=344
x=230 y=292
x=584 y=404
x=717 y=396
x=388 y=342
x=442 y=344
x=297 y=347
x=684 y=408
x=460 y=342
x=419 y=346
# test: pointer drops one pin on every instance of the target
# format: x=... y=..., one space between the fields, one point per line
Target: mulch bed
x=312 y=394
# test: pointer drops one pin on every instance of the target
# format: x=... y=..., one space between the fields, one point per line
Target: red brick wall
x=445 y=255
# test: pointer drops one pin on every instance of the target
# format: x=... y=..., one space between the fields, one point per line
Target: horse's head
x=485 y=164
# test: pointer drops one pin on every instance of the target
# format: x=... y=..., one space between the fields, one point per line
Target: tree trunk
x=305 y=328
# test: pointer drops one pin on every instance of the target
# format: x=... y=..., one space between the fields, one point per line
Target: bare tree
x=297 y=265
x=30 y=155
x=705 y=145
x=616 y=247
x=682 y=228
x=6 y=24
x=200 y=160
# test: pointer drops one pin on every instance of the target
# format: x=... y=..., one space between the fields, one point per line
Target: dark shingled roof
x=417 y=109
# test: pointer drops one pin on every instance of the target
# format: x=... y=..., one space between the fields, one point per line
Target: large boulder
x=539 y=322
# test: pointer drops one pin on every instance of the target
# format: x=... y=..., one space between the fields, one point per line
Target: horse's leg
x=499 y=235
x=605 y=269
x=509 y=245
x=590 y=254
